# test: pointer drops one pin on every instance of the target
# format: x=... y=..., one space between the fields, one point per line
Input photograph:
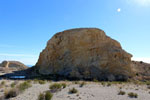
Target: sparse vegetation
x=103 y=83
x=45 y=96
x=29 y=81
x=23 y=86
x=147 y=82
x=76 y=82
x=73 y=91
x=95 y=80
x=14 y=91
x=35 y=81
x=121 y=93
x=3 y=83
x=48 y=95
x=13 y=85
x=42 y=81
x=11 y=93
x=63 y=85
x=108 y=84
x=82 y=84
x=132 y=95
x=55 y=87
x=41 y=96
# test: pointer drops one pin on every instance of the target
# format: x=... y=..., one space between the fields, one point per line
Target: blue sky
x=27 y=25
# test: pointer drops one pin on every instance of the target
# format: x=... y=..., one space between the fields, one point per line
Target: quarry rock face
x=84 y=53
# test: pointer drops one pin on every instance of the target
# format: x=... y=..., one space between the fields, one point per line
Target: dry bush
x=63 y=85
x=42 y=82
x=23 y=86
x=45 y=96
x=76 y=82
x=13 y=84
x=73 y=91
x=82 y=84
x=121 y=93
x=48 y=95
x=132 y=95
x=11 y=93
x=41 y=96
x=3 y=83
x=55 y=87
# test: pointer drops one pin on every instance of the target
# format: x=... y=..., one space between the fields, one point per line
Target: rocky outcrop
x=5 y=64
x=85 y=53
x=141 y=69
x=14 y=65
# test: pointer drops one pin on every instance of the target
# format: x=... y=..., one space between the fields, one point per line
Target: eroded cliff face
x=85 y=53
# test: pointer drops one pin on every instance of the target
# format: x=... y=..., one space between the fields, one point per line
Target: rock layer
x=84 y=53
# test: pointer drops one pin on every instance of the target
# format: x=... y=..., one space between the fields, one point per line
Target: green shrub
x=28 y=81
x=48 y=95
x=63 y=85
x=121 y=93
x=55 y=86
x=147 y=82
x=13 y=85
x=108 y=84
x=73 y=91
x=23 y=86
x=82 y=84
x=95 y=80
x=103 y=83
x=132 y=95
x=42 y=82
x=41 y=96
x=11 y=93
x=76 y=82
x=35 y=81
x=3 y=83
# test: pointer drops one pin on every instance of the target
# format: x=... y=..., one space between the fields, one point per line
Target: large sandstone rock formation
x=85 y=53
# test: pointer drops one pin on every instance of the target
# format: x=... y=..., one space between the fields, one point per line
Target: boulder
x=84 y=53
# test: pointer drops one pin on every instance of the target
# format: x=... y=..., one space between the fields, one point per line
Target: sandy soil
x=90 y=91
